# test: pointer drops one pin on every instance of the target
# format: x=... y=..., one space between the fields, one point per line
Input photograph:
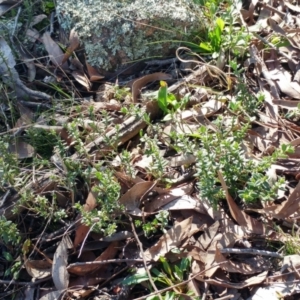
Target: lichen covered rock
x=115 y=32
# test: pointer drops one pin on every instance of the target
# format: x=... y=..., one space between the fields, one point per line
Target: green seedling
x=167 y=102
x=214 y=38
x=165 y=275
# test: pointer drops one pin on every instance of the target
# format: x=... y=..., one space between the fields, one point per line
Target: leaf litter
x=236 y=248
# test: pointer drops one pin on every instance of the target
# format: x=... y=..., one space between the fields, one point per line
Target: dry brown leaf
x=54 y=295
x=182 y=203
x=82 y=230
x=37 y=19
x=263 y=144
x=240 y=217
x=26 y=116
x=211 y=256
x=55 y=53
x=287 y=104
x=182 y=159
x=94 y=75
x=74 y=44
x=207 y=237
x=21 y=149
x=211 y=107
x=131 y=199
x=60 y=274
x=248 y=282
x=196 y=253
x=139 y=83
x=82 y=79
x=221 y=240
x=168 y=196
x=292 y=204
x=172 y=239
x=32 y=34
x=283 y=80
x=38 y=268
x=109 y=253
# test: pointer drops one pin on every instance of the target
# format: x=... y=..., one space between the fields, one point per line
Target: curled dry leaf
x=37 y=19
x=38 y=268
x=182 y=159
x=94 y=75
x=183 y=202
x=55 y=53
x=74 y=44
x=81 y=269
x=167 y=196
x=21 y=149
x=131 y=199
x=60 y=274
x=82 y=79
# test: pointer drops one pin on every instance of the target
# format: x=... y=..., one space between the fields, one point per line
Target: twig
x=5 y=197
x=251 y=251
x=104 y=262
x=181 y=283
x=205 y=290
x=80 y=251
x=226 y=297
x=25 y=283
x=144 y=260
x=16 y=21
x=112 y=277
x=161 y=62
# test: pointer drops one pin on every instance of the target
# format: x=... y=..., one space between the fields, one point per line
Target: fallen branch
x=251 y=251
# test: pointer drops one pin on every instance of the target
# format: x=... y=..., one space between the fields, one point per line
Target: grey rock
x=116 y=32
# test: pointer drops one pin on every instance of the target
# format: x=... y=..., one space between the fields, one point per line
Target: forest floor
x=163 y=188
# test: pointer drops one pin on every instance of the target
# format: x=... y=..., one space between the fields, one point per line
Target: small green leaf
x=166 y=267
x=206 y=47
x=220 y=24
x=135 y=279
x=178 y=273
x=163 y=96
x=7 y=256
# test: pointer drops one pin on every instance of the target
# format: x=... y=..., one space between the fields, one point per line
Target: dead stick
x=251 y=251
x=104 y=262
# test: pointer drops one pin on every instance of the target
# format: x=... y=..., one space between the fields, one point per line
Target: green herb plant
x=160 y=222
x=107 y=191
x=167 y=102
x=166 y=275
x=222 y=151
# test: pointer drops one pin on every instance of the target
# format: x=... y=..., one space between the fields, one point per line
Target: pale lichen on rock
x=116 y=32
